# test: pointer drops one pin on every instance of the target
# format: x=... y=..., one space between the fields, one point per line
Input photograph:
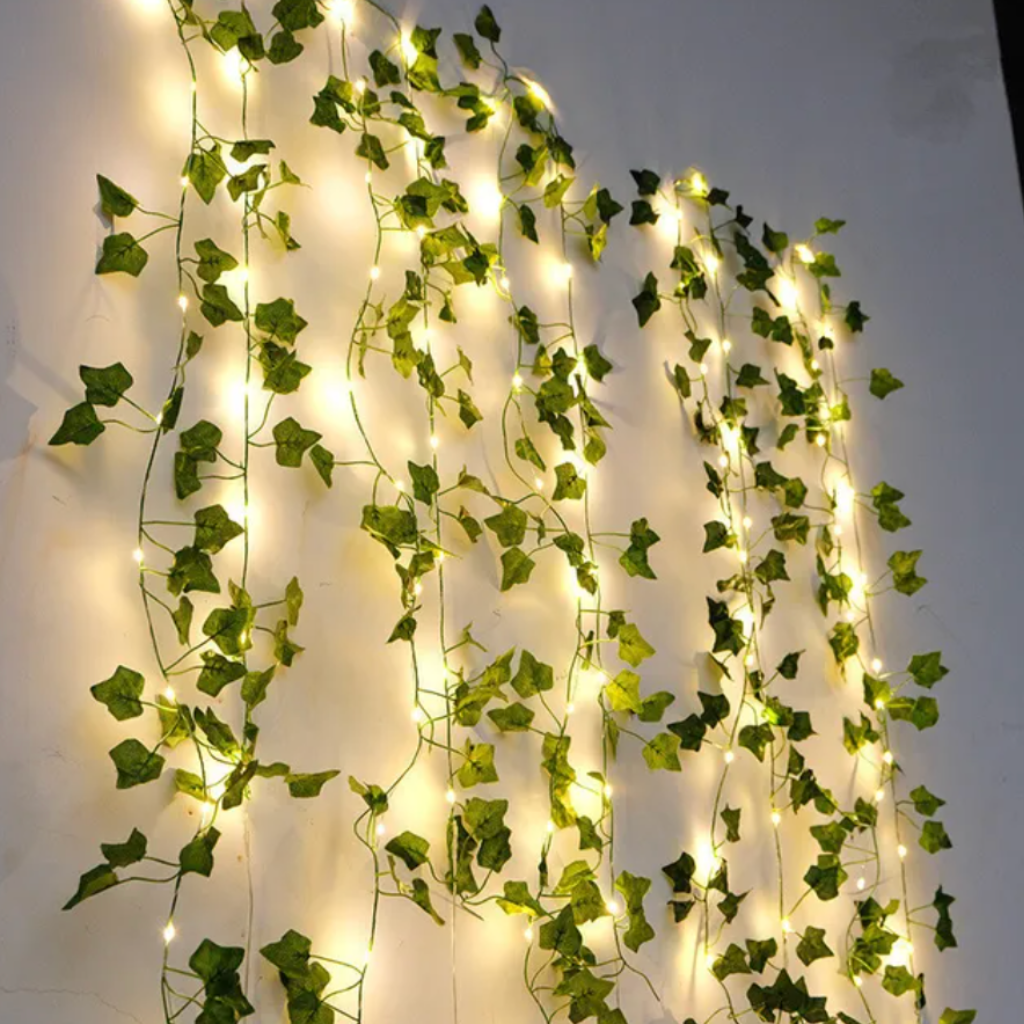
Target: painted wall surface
x=889 y=115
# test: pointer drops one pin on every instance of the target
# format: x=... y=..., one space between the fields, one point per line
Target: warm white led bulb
x=729 y=757
x=374 y=272
x=417 y=588
x=608 y=790
x=570 y=708
x=169 y=693
x=450 y=795
x=723 y=461
x=528 y=934
x=417 y=715
x=550 y=826
x=612 y=907
x=776 y=818
x=368 y=177
x=861 y=884
x=517 y=381
x=409 y=50
x=804 y=253
x=421 y=231
x=538 y=482
x=399 y=485
x=137 y=555
x=787 y=927
x=505 y=282
x=821 y=440
x=876 y=665
x=815 y=365
x=858 y=981
x=380 y=828
x=703 y=369
x=170 y=932
x=698 y=183
x=539 y=93
x=749 y=661
x=879 y=795
x=726 y=346
x=183 y=302
x=887 y=757
x=901 y=850
x=435 y=442
x=879 y=704
x=184 y=182
x=711 y=263
x=742 y=556
x=360 y=86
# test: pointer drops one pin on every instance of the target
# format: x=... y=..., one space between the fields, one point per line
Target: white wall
x=890 y=115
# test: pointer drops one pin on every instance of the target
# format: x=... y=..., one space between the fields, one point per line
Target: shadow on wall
x=15 y=411
x=931 y=91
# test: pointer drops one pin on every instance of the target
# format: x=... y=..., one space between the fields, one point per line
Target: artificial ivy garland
x=734 y=293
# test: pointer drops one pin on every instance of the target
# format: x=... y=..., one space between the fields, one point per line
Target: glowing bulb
x=879 y=704
x=608 y=790
x=776 y=818
x=417 y=588
x=417 y=715
x=216 y=791
x=749 y=661
x=858 y=981
x=820 y=440
x=723 y=461
x=158 y=418
x=409 y=50
x=876 y=665
x=538 y=92
x=421 y=231
x=399 y=485
x=380 y=828
x=901 y=851
x=851 y=615
x=804 y=253
x=787 y=927
x=137 y=555
x=435 y=442
x=487 y=199
x=788 y=294
x=565 y=272
x=374 y=272
x=169 y=932
x=747 y=522
x=709 y=960
x=361 y=86
x=183 y=302
x=861 y=884
x=729 y=757
x=440 y=556
x=340 y=10
x=517 y=381
x=698 y=184
x=368 y=177
x=550 y=826
x=538 y=482
x=184 y=182
x=505 y=282
x=366 y=956
x=528 y=934
x=711 y=263
x=726 y=346
x=742 y=556
x=169 y=693
x=703 y=369
x=235 y=65
x=887 y=757
x=450 y=795
x=570 y=708
x=879 y=795
x=844 y=498
x=815 y=365
x=838 y=530
x=612 y=907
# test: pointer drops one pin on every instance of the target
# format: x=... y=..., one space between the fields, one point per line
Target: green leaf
x=79 y=426
x=467 y=48
x=284 y=47
x=760 y=952
x=633 y=889
x=135 y=764
x=729 y=634
x=957 y=1016
x=532 y=677
x=518 y=900
x=925 y=802
x=94 y=881
x=486 y=26
x=468 y=412
x=215 y=528
x=254 y=687
x=218 y=672
x=927 y=669
x=732 y=961
x=663 y=752
x=825 y=226
x=812 y=945
x=205 y=170
x=303 y=785
x=623 y=692
x=213 y=261
x=323 y=462
x=516 y=567
x=279 y=321
x=371 y=148
x=774 y=241
x=597 y=366
x=218 y=307
x=904 y=571
x=478 y=765
x=410 y=848
x=292 y=442
x=121 y=855
x=756 y=738
x=844 y=641
x=122 y=254
x=647 y=182
x=944 y=937
x=634 y=559
x=652 y=708
x=121 y=693
x=680 y=873
x=421 y=897
x=690 y=731
x=114 y=200
x=290 y=954
x=934 y=837
x=105 y=385
x=731 y=817
x=826 y=877
x=192 y=570
x=633 y=648
x=197 y=856
x=515 y=718
x=717 y=535
x=647 y=302
x=229 y=629
x=425 y=482
x=750 y=376
x=509 y=525
x=569 y=484
x=883 y=383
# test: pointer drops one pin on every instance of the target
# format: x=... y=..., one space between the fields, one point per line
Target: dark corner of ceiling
x=1011 y=51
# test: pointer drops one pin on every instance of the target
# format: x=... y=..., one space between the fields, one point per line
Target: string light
x=612 y=907
x=380 y=828
x=505 y=282
x=409 y=50
x=901 y=852
x=417 y=588
x=449 y=795
x=169 y=693
x=726 y=346
x=804 y=253
x=711 y=263
x=341 y=10
x=538 y=482
x=776 y=818
x=788 y=294
x=374 y=272
x=570 y=708
x=528 y=933
x=550 y=826
x=608 y=790
x=861 y=884
x=887 y=757
x=435 y=442
x=418 y=715
x=137 y=555
x=183 y=302
x=421 y=231
x=184 y=182
x=879 y=795
x=747 y=522
x=787 y=927
x=399 y=485
x=169 y=932
x=517 y=381
x=729 y=757
x=703 y=369
x=820 y=440
x=698 y=184
x=876 y=663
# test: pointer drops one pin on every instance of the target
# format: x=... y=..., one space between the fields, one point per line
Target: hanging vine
x=737 y=299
